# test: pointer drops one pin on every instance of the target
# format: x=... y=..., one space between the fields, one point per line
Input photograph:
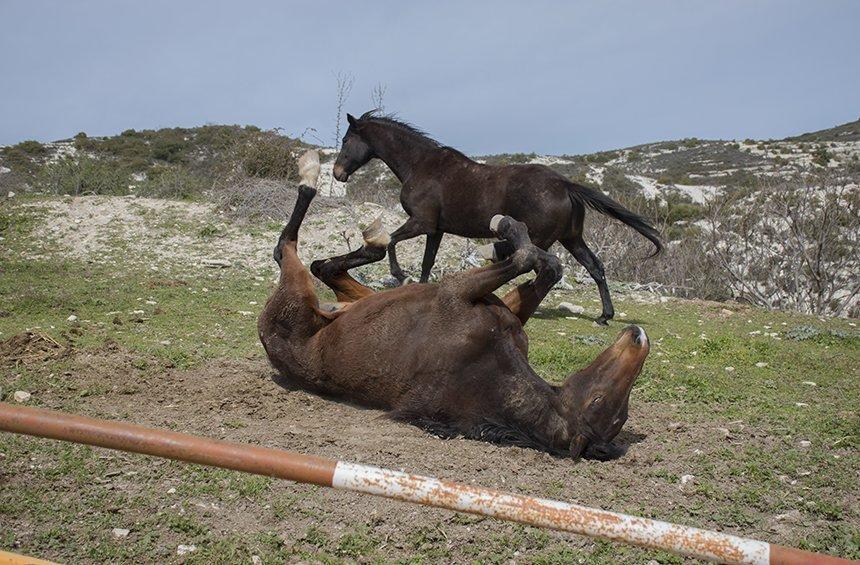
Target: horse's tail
x=605 y=205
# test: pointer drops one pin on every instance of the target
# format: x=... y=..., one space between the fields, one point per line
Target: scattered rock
x=121 y=532
x=793 y=516
x=171 y=490
x=216 y=263
x=622 y=314
x=801 y=404
x=724 y=432
x=809 y=383
x=182 y=549
x=761 y=364
x=563 y=285
x=21 y=396
x=164 y=342
x=11 y=194
x=804 y=443
x=389 y=282
x=730 y=369
x=676 y=426
x=726 y=312
x=686 y=482
x=572 y=308
x=72 y=318
x=256 y=560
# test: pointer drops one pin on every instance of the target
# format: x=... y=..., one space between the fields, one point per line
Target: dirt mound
x=31 y=347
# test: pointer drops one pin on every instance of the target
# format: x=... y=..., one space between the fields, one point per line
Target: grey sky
x=486 y=77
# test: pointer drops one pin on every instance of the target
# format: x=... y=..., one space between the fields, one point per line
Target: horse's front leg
x=412 y=228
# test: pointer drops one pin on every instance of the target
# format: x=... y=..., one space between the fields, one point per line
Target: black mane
x=376 y=116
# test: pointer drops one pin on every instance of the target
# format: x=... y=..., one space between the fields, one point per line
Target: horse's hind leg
x=525 y=299
x=592 y=264
x=475 y=284
x=430 y=250
x=334 y=271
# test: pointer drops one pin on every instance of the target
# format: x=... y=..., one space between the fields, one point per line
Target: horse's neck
x=402 y=152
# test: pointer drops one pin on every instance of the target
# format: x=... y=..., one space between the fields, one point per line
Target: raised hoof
x=375 y=235
x=309 y=168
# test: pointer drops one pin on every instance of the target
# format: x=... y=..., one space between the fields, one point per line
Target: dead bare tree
x=345 y=82
x=377 y=96
x=791 y=244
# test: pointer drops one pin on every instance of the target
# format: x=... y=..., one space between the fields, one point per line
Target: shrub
x=82 y=175
x=172 y=181
x=32 y=148
x=267 y=155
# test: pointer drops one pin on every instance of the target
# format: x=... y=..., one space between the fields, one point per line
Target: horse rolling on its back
x=443 y=191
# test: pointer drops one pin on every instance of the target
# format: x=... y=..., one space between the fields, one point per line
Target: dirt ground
x=239 y=400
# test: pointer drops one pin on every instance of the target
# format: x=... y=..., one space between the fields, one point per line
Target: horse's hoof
x=494 y=223
x=375 y=235
x=309 y=167
x=407 y=280
x=602 y=321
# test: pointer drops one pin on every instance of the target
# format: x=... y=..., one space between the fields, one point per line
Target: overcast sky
x=485 y=77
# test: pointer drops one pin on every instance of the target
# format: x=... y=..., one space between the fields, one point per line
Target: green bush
x=172 y=181
x=268 y=155
x=82 y=175
x=32 y=148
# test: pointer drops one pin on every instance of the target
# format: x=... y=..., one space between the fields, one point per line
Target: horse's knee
x=317 y=268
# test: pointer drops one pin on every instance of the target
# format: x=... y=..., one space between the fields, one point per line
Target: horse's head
x=355 y=152
x=598 y=395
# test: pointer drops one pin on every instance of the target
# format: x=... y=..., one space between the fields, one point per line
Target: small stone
x=572 y=308
x=164 y=342
x=675 y=426
x=761 y=364
x=730 y=369
x=121 y=532
x=790 y=516
x=726 y=312
x=563 y=284
x=801 y=404
x=171 y=490
x=804 y=443
x=21 y=396
x=72 y=318
x=216 y=263
x=724 y=432
x=11 y=194
x=622 y=314
x=809 y=383
x=256 y=560
x=182 y=549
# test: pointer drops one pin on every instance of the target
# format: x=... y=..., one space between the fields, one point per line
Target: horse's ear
x=352 y=121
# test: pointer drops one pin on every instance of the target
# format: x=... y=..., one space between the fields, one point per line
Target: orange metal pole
x=573 y=518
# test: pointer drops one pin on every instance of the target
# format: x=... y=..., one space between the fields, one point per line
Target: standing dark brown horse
x=446 y=192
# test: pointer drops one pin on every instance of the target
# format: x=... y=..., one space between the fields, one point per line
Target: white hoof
x=374 y=235
x=494 y=223
x=309 y=167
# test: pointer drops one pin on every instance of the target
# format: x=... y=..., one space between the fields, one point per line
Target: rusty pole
x=540 y=512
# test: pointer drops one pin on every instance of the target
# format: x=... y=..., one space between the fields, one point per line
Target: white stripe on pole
x=551 y=514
